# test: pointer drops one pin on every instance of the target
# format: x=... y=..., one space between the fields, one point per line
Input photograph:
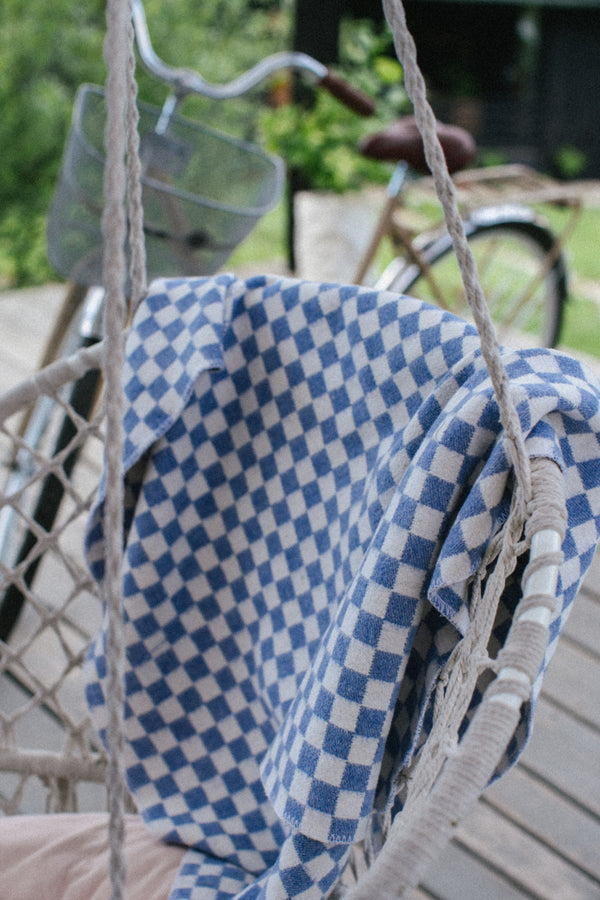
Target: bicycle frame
x=401 y=238
x=419 y=255
x=505 y=189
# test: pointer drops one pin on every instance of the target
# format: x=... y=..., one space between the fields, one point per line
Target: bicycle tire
x=511 y=246
x=46 y=428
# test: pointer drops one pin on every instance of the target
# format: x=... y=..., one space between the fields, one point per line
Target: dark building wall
x=530 y=102
x=568 y=87
x=316 y=28
x=472 y=56
x=465 y=48
x=317 y=24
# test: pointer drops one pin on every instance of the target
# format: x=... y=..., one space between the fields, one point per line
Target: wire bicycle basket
x=187 y=232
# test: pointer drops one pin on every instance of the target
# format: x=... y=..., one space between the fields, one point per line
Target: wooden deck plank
x=573 y=681
x=550 y=803
x=550 y=817
x=527 y=863
x=460 y=875
x=564 y=752
x=583 y=624
x=25 y=317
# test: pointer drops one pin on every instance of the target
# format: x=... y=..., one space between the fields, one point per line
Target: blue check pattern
x=312 y=475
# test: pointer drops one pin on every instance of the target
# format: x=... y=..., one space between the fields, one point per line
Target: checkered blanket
x=312 y=475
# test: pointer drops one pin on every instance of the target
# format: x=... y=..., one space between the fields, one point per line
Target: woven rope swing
x=445 y=780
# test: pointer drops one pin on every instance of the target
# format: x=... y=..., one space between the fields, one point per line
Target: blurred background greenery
x=47 y=50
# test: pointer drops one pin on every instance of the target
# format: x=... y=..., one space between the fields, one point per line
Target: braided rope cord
x=113 y=229
x=425 y=118
x=48 y=380
x=122 y=143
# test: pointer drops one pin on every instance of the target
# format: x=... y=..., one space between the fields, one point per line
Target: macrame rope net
x=470 y=659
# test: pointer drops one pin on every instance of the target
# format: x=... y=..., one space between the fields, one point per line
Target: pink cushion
x=65 y=857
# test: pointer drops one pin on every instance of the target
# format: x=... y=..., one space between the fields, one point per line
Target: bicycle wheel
x=49 y=431
x=522 y=276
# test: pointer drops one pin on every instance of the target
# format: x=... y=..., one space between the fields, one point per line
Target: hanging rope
x=425 y=118
x=121 y=142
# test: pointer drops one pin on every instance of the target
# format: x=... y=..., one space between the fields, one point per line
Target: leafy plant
x=570 y=161
x=318 y=139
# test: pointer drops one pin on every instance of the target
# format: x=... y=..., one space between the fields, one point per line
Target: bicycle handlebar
x=186 y=81
x=346 y=93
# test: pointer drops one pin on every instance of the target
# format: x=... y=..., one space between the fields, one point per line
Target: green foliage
x=49 y=47
x=220 y=38
x=319 y=139
x=45 y=50
x=570 y=161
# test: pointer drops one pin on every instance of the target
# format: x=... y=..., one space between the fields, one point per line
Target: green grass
x=266 y=243
x=581 y=327
x=583 y=248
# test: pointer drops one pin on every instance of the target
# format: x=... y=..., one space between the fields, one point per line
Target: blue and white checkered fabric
x=313 y=473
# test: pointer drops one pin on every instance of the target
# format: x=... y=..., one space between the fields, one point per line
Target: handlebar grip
x=347 y=94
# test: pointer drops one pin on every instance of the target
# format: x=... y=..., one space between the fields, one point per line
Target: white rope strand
x=134 y=192
x=117 y=49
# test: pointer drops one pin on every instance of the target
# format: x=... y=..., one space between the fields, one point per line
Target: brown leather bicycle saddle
x=402 y=140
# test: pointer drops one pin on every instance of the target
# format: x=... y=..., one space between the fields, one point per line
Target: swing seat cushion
x=313 y=473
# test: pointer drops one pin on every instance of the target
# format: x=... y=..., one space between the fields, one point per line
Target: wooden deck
x=535 y=834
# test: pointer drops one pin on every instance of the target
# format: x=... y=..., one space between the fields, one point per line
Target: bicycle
x=191 y=235
x=520 y=260
x=521 y=266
